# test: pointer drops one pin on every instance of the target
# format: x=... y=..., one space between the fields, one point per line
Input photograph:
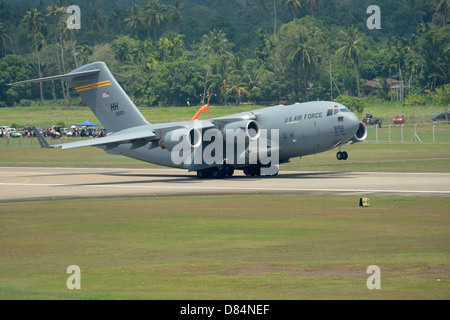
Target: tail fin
x=100 y=90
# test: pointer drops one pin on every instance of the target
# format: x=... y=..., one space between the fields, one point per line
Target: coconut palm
x=441 y=14
x=237 y=92
x=351 y=43
x=134 y=19
x=302 y=59
x=275 y=2
x=154 y=16
x=314 y=4
x=177 y=13
x=215 y=44
x=56 y=13
x=33 y=21
x=294 y=5
x=4 y=38
x=117 y=20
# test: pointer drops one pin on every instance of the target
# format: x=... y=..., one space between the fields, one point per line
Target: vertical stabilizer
x=106 y=98
x=100 y=90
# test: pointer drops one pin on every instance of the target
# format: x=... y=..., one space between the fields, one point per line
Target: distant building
x=396 y=89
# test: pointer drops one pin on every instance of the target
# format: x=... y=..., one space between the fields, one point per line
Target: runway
x=25 y=184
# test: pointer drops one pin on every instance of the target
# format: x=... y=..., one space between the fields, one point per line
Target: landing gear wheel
x=342 y=155
x=218 y=173
x=253 y=171
x=201 y=174
x=204 y=174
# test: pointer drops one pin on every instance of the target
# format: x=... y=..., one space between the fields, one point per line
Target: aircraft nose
x=353 y=121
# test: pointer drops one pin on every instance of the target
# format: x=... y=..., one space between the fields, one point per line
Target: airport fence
x=410 y=133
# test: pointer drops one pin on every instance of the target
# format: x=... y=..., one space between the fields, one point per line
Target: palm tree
x=154 y=12
x=214 y=44
x=56 y=13
x=275 y=19
x=302 y=59
x=177 y=13
x=294 y=5
x=117 y=20
x=4 y=37
x=432 y=52
x=238 y=91
x=314 y=4
x=97 y=21
x=33 y=21
x=351 y=43
x=134 y=19
x=441 y=13
x=261 y=9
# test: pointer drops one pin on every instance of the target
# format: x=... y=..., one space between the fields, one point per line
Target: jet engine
x=192 y=136
x=250 y=128
x=361 y=134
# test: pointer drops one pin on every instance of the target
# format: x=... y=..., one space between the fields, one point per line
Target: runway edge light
x=364 y=202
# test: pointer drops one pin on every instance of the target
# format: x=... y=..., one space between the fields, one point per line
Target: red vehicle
x=399 y=119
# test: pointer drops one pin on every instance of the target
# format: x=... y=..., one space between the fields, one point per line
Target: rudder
x=106 y=98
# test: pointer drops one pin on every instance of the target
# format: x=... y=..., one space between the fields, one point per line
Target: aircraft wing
x=125 y=136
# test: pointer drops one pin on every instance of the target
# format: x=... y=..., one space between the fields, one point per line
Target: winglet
x=42 y=141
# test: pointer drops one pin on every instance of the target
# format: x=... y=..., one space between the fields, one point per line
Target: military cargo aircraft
x=256 y=142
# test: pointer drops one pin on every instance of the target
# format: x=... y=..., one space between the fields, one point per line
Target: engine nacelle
x=361 y=134
x=250 y=128
x=192 y=136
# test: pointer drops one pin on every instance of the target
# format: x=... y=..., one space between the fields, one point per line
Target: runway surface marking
x=34 y=183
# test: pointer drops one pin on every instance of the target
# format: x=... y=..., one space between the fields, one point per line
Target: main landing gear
x=216 y=173
x=227 y=171
x=342 y=155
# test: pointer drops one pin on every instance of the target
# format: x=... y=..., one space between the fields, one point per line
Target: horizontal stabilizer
x=42 y=141
x=66 y=77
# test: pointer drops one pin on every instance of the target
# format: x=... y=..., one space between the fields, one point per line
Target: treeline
x=175 y=52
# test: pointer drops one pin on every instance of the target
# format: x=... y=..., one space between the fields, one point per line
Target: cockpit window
x=336 y=110
x=345 y=110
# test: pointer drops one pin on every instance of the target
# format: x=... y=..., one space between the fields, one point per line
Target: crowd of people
x=54 y=132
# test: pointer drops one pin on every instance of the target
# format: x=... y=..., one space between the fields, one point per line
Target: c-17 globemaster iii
x=256 y=142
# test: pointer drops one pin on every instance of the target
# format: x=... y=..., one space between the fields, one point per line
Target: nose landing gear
x=342 y=155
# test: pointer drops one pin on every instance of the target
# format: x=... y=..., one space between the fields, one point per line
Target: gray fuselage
x=304 y=129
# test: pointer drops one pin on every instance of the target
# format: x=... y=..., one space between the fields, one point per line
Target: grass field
x=226 y=247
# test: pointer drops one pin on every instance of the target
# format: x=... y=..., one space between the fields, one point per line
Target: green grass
x=220 y=247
